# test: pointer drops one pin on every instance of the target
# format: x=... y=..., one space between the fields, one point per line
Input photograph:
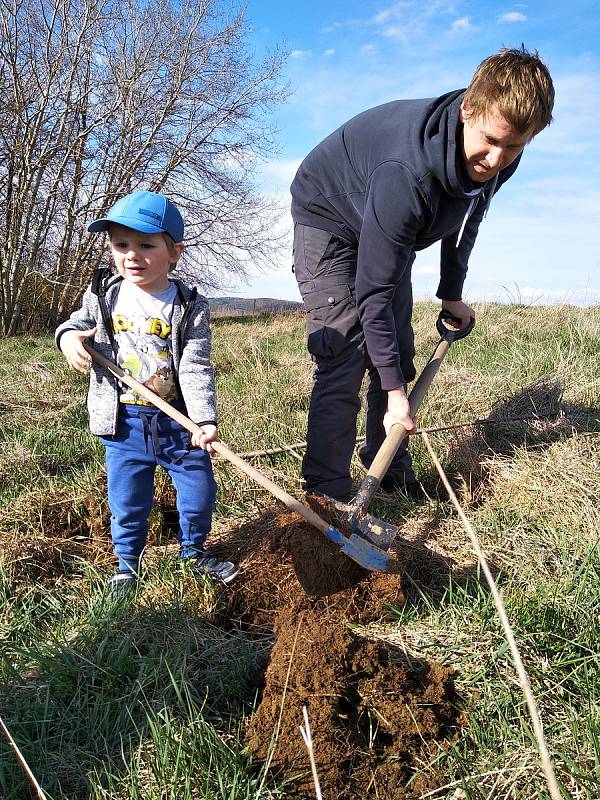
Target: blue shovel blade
x=363 y=552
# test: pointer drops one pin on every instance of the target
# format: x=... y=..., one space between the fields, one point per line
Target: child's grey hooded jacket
x=191 y=356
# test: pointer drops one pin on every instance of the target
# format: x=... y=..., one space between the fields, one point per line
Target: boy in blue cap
x=157 y=329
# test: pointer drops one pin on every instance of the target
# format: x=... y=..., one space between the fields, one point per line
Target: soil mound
x=288 y=564
x=372 y=718
x=375 y=714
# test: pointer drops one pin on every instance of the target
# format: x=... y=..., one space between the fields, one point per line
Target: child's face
x=143 y=258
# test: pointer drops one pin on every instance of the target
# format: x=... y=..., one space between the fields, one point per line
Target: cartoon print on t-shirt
x=145 y=355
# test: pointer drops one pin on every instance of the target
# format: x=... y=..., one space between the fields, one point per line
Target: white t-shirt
x=142 y=326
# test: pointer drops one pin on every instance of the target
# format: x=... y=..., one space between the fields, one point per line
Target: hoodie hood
x=440 y=139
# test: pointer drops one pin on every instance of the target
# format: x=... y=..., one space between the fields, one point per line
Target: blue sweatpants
x=146 y=438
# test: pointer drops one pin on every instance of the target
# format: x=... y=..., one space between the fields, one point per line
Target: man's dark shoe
x=411 y=488
x=207 y=564
x=120 y=585
x=341 y=498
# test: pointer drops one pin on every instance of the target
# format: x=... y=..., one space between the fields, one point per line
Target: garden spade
x=363 y=525
x=358 y=548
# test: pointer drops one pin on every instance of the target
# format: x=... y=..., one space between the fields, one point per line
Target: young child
x=158 y=330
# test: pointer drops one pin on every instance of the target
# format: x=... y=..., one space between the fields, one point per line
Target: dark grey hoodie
x=392 y=180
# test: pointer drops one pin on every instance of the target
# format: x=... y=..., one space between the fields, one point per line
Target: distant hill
x=235 y=306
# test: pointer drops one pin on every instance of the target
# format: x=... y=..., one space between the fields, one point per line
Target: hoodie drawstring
x=466 y=219
x=488 y=195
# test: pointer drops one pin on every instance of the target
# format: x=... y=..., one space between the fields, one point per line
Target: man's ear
x=464 y=111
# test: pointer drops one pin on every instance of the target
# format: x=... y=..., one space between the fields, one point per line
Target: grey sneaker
x=207 y=564
x=120 y=585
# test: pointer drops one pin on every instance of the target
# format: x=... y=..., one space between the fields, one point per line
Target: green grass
x=150 y=700
x=123 y=701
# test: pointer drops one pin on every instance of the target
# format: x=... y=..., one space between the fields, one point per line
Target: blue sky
x=540 y=240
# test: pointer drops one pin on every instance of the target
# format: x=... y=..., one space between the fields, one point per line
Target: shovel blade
x=372 y=531
x=363 y=552
x=368 y=556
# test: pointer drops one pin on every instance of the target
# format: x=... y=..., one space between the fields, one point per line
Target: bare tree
x=102 y=98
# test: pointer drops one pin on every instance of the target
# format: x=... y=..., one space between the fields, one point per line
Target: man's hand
x=71 y=345
x=203 y=439
x=458 y=309
x=398 y=410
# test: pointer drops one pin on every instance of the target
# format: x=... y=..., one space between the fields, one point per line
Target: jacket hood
x=442 y=148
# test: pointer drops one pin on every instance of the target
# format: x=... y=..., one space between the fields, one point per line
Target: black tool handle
x=452 y=334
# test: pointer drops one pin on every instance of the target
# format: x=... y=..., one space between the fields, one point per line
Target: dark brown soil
x=372 y=718
x=375 y=714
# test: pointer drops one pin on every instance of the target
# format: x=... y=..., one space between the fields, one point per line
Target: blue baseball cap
x=146 y=212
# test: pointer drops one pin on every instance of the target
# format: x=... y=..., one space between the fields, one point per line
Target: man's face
x=489 y=144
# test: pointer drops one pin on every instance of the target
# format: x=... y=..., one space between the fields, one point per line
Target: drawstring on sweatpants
x=150 y=423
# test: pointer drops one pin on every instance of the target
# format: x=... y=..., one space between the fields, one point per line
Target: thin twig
x=547 y=766
x=432 y=429
x=308 y=741
x=21 y=759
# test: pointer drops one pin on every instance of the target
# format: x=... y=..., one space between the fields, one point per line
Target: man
x=391 y=181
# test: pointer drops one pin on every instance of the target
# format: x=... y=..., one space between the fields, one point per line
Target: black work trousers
x=325 y=268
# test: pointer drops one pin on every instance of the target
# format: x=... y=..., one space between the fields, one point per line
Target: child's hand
x=71 y=344
x=203 y=439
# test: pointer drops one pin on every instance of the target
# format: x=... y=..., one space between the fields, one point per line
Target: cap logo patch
x=149 y=213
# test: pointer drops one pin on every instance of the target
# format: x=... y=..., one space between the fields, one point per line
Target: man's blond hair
x=515 y=83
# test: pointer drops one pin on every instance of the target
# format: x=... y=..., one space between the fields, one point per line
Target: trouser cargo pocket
x=331 y=320
x=325 y=268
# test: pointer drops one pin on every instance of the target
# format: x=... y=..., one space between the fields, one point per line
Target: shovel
x=355 y=547
x=379 y=533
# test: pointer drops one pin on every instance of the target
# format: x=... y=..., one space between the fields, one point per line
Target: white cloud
x=300 y=54
x=368 y=49
x=584 y=296
x=277 y=174
x=347 y=23
x=462 y=25
x=390 y=13
x=512 y=16
x=411 y=21
x=329 y=52
x=426 y=269
x=394 y=31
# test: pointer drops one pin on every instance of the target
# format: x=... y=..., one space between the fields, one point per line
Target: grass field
x=151 y=700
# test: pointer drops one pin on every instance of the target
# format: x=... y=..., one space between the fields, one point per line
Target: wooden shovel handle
x=397 y=433
x=218 y=446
